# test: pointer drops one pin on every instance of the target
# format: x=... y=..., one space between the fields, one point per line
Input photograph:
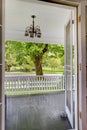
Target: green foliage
x=10 y=56
x=21 y=55
x=57 y=49
x=56 y=52
x=34 y=49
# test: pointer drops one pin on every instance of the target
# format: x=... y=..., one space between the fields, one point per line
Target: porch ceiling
x=51 y=18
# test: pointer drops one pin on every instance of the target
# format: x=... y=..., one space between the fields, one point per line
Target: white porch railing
x=31 y=83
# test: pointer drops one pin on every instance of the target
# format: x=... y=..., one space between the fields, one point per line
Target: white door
x=68 y=71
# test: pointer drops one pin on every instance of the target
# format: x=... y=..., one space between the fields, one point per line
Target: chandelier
x=32 y=30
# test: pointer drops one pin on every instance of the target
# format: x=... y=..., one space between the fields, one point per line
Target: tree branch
x=45 y=48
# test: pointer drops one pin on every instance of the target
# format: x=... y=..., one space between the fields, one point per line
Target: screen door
x=68 y=71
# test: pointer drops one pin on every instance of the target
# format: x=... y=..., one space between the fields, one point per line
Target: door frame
x=79 y=68
x=82 y=66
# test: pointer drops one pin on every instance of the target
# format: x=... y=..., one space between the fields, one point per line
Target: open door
x=68 y=71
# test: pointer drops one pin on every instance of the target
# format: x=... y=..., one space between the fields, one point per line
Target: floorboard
x=36 y=112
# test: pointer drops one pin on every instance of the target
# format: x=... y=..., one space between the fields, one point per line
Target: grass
x=46 y=70
x=59 y=70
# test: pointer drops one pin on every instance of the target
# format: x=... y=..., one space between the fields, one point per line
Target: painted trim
x=3 y=64
x=72 y=4
x=82 y=73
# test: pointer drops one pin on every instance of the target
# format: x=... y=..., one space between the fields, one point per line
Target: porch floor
x=36 y=112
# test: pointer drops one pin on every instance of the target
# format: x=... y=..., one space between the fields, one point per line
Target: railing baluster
x=28 y=83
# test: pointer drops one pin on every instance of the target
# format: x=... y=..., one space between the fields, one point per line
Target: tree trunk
x=8 y=68
x=38 y=60
x=38 y=65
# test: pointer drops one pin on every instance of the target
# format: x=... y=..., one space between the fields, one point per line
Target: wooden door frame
x=80 y=67
x=2 y=34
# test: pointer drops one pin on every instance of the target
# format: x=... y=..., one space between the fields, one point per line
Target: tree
x=25 y=55
x=58 y=51
x=10 y=56
x=36 y=52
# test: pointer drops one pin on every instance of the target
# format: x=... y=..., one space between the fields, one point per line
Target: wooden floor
x=36 y=112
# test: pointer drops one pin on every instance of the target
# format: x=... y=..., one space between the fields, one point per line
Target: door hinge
x=79 y=18
x=80 y=66
x=72 y=21
x=0 y=25
x=80 y=115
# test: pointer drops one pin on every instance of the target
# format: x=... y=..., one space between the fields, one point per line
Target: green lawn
x=59 y=70
x=46 y=70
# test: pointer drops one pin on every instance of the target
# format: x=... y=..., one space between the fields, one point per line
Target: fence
x=16 y=84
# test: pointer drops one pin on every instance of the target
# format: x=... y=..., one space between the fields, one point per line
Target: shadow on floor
x=36 y=112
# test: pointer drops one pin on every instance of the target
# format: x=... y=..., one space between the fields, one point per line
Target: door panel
x=68 y=71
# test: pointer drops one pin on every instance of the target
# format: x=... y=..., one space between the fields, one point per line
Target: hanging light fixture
x=32 y=30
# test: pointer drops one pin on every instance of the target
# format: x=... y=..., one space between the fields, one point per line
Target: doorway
x=11 y=35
